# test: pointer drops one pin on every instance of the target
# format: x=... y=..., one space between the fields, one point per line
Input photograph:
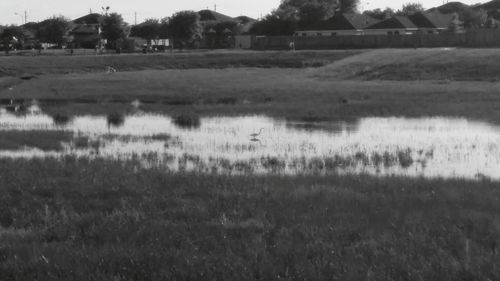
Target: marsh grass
x=60 y=119
x=44 y=140
x=187 y=120
x=82 y=219
x=115 y=119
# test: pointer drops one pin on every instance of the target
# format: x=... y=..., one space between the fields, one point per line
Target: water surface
x=427 y=147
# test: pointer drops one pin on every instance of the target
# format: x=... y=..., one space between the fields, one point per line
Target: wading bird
x=254 y=135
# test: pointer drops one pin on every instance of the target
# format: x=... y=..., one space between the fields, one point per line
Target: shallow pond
x=428 y=147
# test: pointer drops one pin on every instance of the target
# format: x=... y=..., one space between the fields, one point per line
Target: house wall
x=328 y=32
x=392 y=31
x=476 y=38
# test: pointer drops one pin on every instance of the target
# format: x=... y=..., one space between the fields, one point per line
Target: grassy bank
x=285 y=93
x=75 y=220
x=417 y=64
x=40 y=65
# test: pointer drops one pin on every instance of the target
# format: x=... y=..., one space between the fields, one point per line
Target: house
x=396 y=25
x=340 y=24
x=207 y=16
x=431 y=22
x=86 y=31
x=222 y=31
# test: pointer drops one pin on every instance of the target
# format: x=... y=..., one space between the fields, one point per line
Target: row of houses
x=86 y=30
x=429 y=22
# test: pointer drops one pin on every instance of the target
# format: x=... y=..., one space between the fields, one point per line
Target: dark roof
x=245 y=19
x=85 y=29
x=209 y=15
x=394 y=22
x=431 y=19
x=343 y=22
x=88 y=19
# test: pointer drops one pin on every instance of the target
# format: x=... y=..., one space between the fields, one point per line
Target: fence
x=473 y=38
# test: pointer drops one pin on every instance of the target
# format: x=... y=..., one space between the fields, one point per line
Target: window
x=319 y=34
x=304 y=34
x=396 y=32
x=389 y=32
x=334 y=33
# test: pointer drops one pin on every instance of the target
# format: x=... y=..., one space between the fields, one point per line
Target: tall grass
x=44 y=140
x=106 y=220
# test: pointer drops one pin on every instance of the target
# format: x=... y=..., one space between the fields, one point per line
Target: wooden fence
x=474 y=38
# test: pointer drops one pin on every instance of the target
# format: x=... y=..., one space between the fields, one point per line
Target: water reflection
x=429 y=147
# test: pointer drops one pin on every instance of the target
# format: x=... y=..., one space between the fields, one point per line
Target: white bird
x=254 y=135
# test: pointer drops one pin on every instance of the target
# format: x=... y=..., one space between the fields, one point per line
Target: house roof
x=93 y=18
x=85 y=29
x=245 y=19
x=431 y=19
x=209 y=15
x=346 y=21
x=394 y=22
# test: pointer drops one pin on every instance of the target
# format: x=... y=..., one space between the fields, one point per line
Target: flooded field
x=428 y=147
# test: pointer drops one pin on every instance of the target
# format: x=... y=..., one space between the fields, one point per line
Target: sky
x=12 y=11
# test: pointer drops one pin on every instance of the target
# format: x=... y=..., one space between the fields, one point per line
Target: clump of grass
x=115 y=119
x=405 y=158
x=84 y=142
x=273 y=164
x=161 y=137
x=60 y=119
x=44 y=140
x=187 y=120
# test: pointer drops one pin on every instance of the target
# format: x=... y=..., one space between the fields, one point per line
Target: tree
x=11 y=36
x=273 y=25
x=410 y=8
x=379 y=14
x=149 y=29
x=113 y=28
x=348 y=6
x=307 y=12
x=185 y=28
x=474 y=18
x=53 y=30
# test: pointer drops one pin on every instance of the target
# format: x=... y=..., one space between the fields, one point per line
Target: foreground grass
x=75 y=220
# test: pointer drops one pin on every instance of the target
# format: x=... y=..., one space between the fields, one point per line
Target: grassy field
x=314 y=94
x=80 y=220
x=107 y=220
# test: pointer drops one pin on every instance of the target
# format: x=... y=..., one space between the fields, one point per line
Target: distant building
x=86 y=31
x=340 y=24
x=430 y=22
x=397 y=25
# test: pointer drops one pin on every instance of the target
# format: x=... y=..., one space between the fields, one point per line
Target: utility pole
x=135 y=18
x=215 y=7
x=25 y=17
